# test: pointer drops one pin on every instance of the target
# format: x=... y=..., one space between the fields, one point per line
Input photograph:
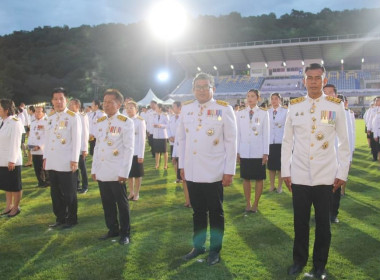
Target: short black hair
x=177 y=103
x=315 y=66
x=59 y=90
x=116 y=93
x=255 y=91
x=332 y=86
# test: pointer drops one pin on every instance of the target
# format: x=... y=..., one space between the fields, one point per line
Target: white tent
x=149 y=97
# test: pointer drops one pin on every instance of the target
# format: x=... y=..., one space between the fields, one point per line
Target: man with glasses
x=207 y=145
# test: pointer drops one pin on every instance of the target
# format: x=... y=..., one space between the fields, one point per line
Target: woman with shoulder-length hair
x=277 y=117
x=11 y=130
x=253 y=147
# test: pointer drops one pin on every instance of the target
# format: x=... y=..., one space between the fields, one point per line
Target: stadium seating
x=343 y=80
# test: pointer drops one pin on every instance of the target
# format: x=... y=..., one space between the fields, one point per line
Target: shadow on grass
x=358 y=247
x=264 y=238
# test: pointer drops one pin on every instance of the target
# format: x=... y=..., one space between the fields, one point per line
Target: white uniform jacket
x=85 y=132
x=376 y=125
x=349 y=130
x=150 y=115
x=37 y=135
x=277 y=124
x=93 y=118
x=162 y=120
x=253 y=133
x=62 y=141
x=352 y=114
x=140 y=136
x=172 y=127
x=308 y=153
x=113 y=153
x=10 y=141
x=207 y=141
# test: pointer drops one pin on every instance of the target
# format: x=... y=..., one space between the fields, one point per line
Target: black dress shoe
x=57 y=224
x=68 y=225
x=124 y=240
x=193 y=254
x=294 y=269
x=213 y=258
x=14 y=215
x=83 y=191
x=320 y=273
x=108 y=235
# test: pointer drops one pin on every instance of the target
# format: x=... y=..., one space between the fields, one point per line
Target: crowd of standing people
x=308 y=146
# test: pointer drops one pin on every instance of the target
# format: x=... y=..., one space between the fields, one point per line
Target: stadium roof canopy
x=331 y=49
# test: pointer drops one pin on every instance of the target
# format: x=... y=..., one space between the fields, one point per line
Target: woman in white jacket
x=253 y=147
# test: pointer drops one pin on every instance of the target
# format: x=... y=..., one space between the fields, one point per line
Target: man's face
x=38 y=113
x=377 y=102
x=275 y=101
x=176 y=109
x=252 y=98
x=314 y=81
x=111 y=105
x=203 y=91
x=94 y=107
x=59 y=101
x=73 y=107
x=153 y=106
x=329 y=91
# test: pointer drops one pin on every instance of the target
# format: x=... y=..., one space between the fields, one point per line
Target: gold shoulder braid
x=122 y=118
x=297 y=100
x=264 y=108
x=140 y=118
x=188 y=102
x=51 y=113
x=15 y=119
x=101 y=119
x=71 y=113
x=223 y=103
x=333 y=99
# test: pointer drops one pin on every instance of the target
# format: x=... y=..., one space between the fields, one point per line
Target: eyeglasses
x=201 y=88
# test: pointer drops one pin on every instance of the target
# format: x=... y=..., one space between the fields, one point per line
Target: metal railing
x=279 y=41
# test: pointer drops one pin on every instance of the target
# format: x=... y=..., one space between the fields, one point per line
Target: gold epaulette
x=351 y=111
x=285 y=107
x=51 y=113
x=263 y=108
x=140 y=118
x=15 y=119
x=71 y=113
x=188 y=102
x=333 y=99
x=297 y=100
x=122 y=118
x=223 y=103
x=101 y=119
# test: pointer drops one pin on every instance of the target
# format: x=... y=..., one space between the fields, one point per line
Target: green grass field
x=257 y=246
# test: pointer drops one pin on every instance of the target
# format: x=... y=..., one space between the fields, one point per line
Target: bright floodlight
x=163 y=76
x=167 y=20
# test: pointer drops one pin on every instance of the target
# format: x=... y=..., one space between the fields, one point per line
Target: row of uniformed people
x=372 y=122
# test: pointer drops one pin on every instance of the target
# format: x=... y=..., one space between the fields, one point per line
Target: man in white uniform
x=61 y=154
x=311 y=167
x=111 y=164
x=207 y=146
